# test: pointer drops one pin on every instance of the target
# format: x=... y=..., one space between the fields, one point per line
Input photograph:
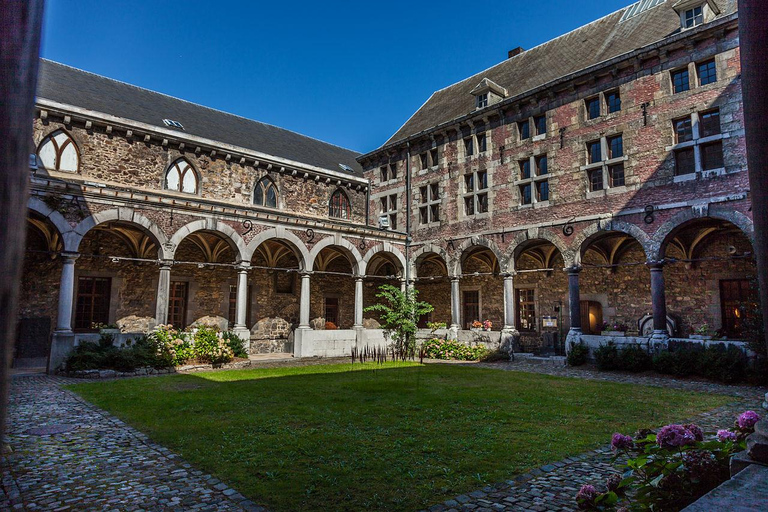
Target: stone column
x=659 y=302
x=242 y=297
x=304 y=301
x=403 y=285
x=163 y=292
x=574 y=306
x=66 y=293
x=453 y=331
x=358 y=301
x=509 y=302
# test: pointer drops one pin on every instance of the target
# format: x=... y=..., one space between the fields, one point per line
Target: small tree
x=400 y=312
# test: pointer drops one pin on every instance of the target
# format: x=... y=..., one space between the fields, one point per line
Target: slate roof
x=586 y=46
x=65 y=84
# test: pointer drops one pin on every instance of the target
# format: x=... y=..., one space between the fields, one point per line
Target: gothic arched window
x=339 y=205
x=181 y=177
x=265 y=193
x=58 y=152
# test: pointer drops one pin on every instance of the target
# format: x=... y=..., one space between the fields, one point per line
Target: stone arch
x=383 y=247
x=69 y=238
x=661 y=236
x=582 y=241
x=508 y=262
x=423 y=252
x=338 y=241
x=227 y=231
x=470 y=243
x=283 y=235
x=127 y=215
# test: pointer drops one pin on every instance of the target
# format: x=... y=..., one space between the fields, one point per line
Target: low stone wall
x=593 y=342
x=141 y=372
x=335 y=343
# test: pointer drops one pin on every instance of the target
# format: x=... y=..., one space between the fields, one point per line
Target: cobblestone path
x=97 y=462
x=553 y=487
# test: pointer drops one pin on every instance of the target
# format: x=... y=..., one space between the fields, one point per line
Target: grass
x=393 y=437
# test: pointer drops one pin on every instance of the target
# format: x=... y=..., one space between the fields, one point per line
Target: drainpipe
x=368 y=203
x=408 y=216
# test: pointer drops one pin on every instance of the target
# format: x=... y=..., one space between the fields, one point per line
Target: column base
x=574 y=336
x=62 y=343
x=298 y=339
x=659 y=340
x=453 y=332
x=509 y=339
x=244 y=334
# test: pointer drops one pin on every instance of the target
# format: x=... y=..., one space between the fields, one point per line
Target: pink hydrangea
x=694 y=429
x=674 y=436
x=725 y=435
x=621 y=442
x=747 y=419
x=586 y=496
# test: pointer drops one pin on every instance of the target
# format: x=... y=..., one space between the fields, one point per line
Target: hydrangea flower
x=621 y=442
x=700 y=463
x=613 y=482
x=674 y=436
x=725 y=435
x=586 y=495
x=747 y=419
x=694 y=429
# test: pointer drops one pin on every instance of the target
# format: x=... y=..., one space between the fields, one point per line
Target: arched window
x=181 y=177
x=265 y=193
x=58 y=152
x=339 y=206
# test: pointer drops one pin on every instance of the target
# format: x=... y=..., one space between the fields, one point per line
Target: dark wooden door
x=177 y=304
x=471 y=307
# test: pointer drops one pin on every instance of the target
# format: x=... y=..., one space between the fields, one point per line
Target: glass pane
x=172 y=179
x=258 y=195
x=710 y=123
x=469 y=182
x=271 y=196
x=469 y=205
x=617 y=175
x=435 y=191
x=482 y=203
x=47 y=155
x=684 y=162
x=712 y=156
x=683 y=130
x=707 y=72
x=680 y=80
x=595 y=154
x=616 y=146
x=542 y=166
x=423 y=194
x=543 y=191
x=423 y=218
x=525 y=130
x=525 y=194
x=614 y=102
x=482 y=180
x=525 y=169
x=593 y=108
x=189 y=185
x=596 y=180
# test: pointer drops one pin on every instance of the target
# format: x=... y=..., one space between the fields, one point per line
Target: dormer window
x=693 y=17
x=173 y=124
x=487 y=93
x=695 y=12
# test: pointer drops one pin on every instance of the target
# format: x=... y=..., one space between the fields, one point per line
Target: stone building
x=615 y=152
x=598 y=177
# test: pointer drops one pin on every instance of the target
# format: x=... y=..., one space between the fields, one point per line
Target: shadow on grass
x=344 y=437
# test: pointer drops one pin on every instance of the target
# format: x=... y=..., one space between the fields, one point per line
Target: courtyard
x=399 y=436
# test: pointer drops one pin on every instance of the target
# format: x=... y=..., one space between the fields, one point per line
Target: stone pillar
x=304 y=301
x=509 y=302
x=453 y=331
x=66 y=293
x=574 y=307
x=403 y=285
x=659 y=302
x=241 y=329
x=358 y=301
x=163 y=292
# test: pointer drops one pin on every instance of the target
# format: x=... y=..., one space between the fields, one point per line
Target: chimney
x=516 y=51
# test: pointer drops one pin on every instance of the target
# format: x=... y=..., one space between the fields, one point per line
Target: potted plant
x=487 y=325
x=476 y=325
x=702 y=333
x=616 y=329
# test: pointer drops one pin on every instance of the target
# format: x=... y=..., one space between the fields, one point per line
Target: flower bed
x=669 y=469
x=437 y=348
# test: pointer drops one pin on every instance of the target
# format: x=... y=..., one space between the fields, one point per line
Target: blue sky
x=349 y=73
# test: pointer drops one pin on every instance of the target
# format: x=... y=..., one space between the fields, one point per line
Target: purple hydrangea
x=586 y=495
x=674 y=436
x=747 y=419
x=725 y=435
x=621 y=442
x=701 y=464
x=613 y=482
x=694 y=429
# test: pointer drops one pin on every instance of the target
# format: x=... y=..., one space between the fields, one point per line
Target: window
x=482 y=100
x=541 y=165
x=525 y=129
x=424 y=161
x=707 y=72
x=476 y=192
x=173 y=124
x=384 y=173
x=429 y=203
x=331 y=310
x=389 y=208
x=593 y=107
x=613 y=101
x=525 y=169
x=471 y=307
x=680 y=81
x=710 y=123
x=596 y=180
x=683 y=130
x=542 y=191
x=541 y=125
x=735 y=296
x=433 y=156
x=689 y=131
x=712 y=155
x=92 y=307
x=525 y=194
x=594 y=152
x=684 y=162
x=339 y=205
x=481 y=143
x=393 y=170
x=526 y=309
x=469 y=147
x=616 y=175
x=181 y=177
x=57 y=152
x=615 y=147
x=693 y=17
x=177 y=304
x=265 y=193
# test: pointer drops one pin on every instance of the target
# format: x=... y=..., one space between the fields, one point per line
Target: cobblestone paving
x=553 y=487
x=100 y=464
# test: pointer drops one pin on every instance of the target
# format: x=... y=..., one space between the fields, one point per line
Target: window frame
x=389 y=206
x=264 y=184
x=427 y=202
x=343 y=210
x=477 y=197
x=58 y=151
x=680 y=72
x=182 y=173
x=689 y=166
x=710 y=72
x=529 y=188
x=603 y=168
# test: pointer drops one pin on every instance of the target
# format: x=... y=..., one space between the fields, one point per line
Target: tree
x=400 y=312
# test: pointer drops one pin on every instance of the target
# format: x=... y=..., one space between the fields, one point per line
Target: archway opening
x=383 y=268
x=434 y=287
x=481 y=289
x=332 y=297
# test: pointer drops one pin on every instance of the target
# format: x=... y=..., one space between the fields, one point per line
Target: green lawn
x=396 y=437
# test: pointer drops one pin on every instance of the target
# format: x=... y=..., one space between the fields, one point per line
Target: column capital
x=305 y=273
x=359 y=278
x=70 y=256
x=455 y=278
x=574 y=269
x=508 y=275
x=242 y=268
x=656 y=264
x=165 y=264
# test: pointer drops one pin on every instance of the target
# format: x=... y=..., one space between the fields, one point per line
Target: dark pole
x=20 y=24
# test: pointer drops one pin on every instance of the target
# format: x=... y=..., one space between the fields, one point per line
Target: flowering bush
x=477 y=324
x=171 y=346
x=451 y=349
x=487 y=325
x=211 y=347
x=668 y=470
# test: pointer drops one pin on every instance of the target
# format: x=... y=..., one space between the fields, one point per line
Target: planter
x=613 y=333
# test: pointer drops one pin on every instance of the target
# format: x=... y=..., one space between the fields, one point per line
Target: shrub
x=729 y=365
x=634 y=358
x=578 y=354
x=235 y=343
x=210 y=347
x=452 y=349
x=105 y=356
x=495 y=355
x=681 y=363
x=607 y=356
x=171 y=347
